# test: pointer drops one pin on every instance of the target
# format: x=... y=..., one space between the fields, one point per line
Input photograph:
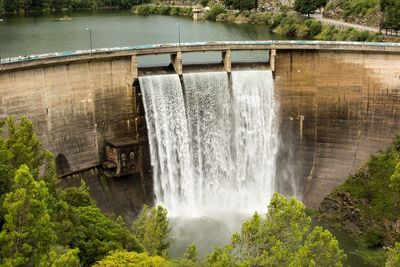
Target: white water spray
x=212 y=150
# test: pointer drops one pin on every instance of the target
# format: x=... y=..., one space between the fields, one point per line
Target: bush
x=204 y=3
x=373 y=238
x=131 y=259
x=288 y=26
x=243 y=4
x=213 y=13
x=315 y=27
x=327 y=33
x=162 y=10
x=276 y=19
x=302 y=30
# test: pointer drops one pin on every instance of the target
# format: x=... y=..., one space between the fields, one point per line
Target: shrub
x=213 y=13
x=373 y=238
x=315 y=27
x=302 y=30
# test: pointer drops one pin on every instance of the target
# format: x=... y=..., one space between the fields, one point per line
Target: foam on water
x=213 y=148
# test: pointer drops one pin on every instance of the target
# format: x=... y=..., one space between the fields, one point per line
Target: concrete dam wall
x=337 y=104
x=336 y=109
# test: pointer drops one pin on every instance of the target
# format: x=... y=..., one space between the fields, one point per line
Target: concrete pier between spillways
x=339 y=102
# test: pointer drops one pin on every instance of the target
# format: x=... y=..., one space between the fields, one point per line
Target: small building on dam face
x=338 y=103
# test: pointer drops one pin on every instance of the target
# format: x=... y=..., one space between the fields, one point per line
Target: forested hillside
x=21 y=6
x=378 y=13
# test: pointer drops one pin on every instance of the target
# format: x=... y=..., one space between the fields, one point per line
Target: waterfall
x=213 y=148
x=168 y=140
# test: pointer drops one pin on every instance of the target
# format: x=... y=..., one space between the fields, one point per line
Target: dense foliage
x=289 y=23
x=132 y=259
x=214 y=12
x=21 y=6
x=152 y=229
x=393 y=258
x=283 y=238
x=307 y=7
x=353 y=10
x=42 y=225
x=390 y=14
x=382 y=13
x=162 y=10
x=240 y=4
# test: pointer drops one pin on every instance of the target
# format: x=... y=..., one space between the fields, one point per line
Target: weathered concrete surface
x=350 y=105
x=123 y=196
x=74 y=107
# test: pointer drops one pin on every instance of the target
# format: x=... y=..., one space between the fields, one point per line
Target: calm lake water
x=26 y=35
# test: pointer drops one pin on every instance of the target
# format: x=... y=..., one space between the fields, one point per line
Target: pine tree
x=27 y=234
x=152 y=229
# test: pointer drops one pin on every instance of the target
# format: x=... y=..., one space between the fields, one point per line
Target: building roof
x=122 y=141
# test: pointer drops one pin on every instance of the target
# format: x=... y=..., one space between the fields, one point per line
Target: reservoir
x=28 y=35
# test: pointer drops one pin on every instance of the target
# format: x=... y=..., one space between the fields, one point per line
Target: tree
x=96 y=235
x=281 y=239
x=22 y=146
x=395 y=178
x=2 y=7
x=77 y=196
x=191 y=253
x=393 y=258
x=61 y=257
x=307 y=7
x=6 y=178
x=152 y=229
x=131 y=259
x=320 y=3
x=390 y=14
x=319 y=249
x=27 y=234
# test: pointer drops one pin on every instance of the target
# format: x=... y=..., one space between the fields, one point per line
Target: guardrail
x=206 y=46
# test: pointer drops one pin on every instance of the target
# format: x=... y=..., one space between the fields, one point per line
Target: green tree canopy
x=393 y=258
x=27 y=234
x=131 y=259
x=96 y=235
x=390 y=14
x=241 y=4
x=283 y=238
x=152 y=229
x=307 y=7
x=191 y=253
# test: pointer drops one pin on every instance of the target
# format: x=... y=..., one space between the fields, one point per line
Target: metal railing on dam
x=173 y=48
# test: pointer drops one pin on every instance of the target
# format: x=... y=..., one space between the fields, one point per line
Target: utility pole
x=179 y=33
x=90 y=39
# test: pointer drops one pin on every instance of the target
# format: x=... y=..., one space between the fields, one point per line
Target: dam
x=319 y=109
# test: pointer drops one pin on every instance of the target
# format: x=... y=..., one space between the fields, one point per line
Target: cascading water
x=213 y=149
x=168 y=139
x=255 y=138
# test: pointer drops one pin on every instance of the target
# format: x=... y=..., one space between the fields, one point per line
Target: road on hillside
x=343 y=25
